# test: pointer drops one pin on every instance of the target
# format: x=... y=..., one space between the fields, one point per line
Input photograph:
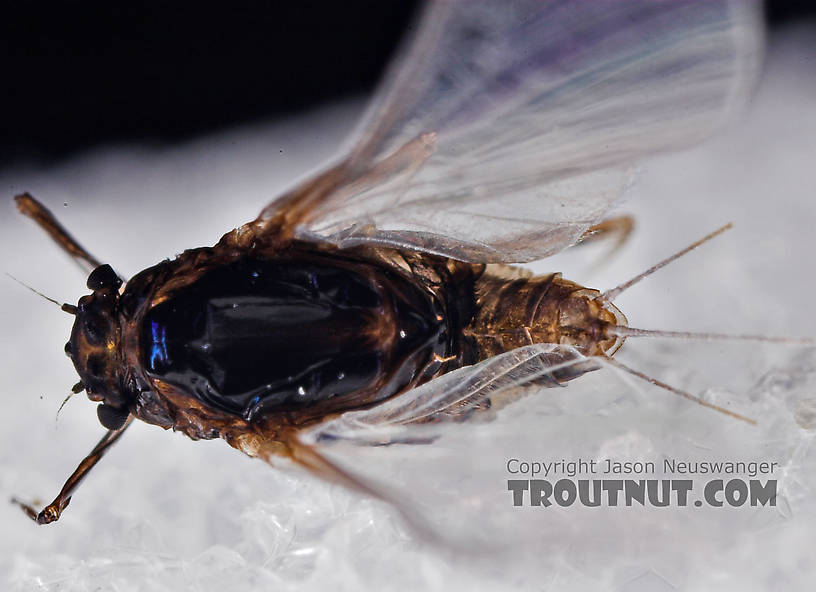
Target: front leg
x=30 y=207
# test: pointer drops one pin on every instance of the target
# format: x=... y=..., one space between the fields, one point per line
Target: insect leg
x=339 y=183
x=46 y=220
x=310 y=458
x=52 y=511
x=620 y=227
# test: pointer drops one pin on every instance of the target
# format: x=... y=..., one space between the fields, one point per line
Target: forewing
x=420 y=414
x=509 y=127
x=416 y=435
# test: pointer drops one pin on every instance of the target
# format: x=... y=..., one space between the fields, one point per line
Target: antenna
x=69 y=308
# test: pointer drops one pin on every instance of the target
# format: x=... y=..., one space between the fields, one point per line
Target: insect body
x=255 y=344
x=370 y=288
x=230 y=341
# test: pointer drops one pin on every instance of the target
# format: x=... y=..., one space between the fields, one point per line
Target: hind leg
x=620 y=227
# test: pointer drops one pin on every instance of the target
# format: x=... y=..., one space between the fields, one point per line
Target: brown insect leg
x=46 y=220
x=52 y=511
x=340 y=181
x=407 y=160
x=620 y=227
x=309 y=458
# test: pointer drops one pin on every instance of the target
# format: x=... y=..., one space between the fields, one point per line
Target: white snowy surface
x=164 y=513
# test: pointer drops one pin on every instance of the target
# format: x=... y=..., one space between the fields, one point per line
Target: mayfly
x=377 y=291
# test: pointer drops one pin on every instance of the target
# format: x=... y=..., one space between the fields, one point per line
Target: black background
x=80 y=74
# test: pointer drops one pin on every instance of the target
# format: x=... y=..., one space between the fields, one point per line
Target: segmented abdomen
x=514 y=313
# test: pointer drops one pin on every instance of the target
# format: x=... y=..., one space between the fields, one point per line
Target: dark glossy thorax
x=258 y=335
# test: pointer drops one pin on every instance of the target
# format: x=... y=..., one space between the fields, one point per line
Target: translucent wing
x=349 y=449
x=418 y=414
x=509 y=126
x=422 y=416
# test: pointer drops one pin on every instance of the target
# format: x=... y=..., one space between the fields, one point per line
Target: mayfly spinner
x=376 y=289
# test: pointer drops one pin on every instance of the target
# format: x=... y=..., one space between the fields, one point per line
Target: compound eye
x=103 y=277
x=112 y=418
